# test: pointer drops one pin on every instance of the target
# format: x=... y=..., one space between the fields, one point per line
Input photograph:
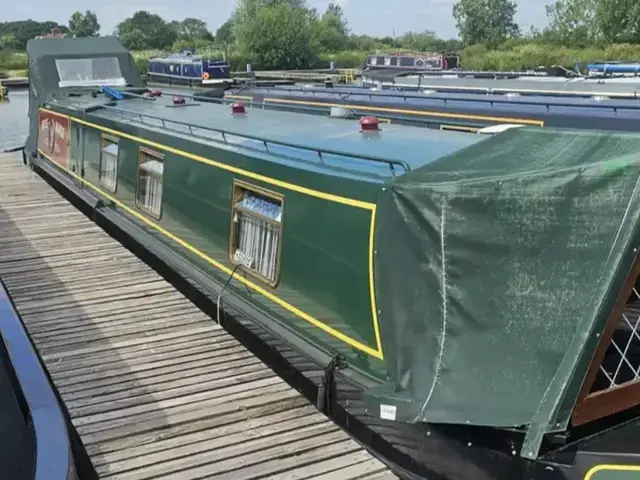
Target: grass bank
x=511 y=56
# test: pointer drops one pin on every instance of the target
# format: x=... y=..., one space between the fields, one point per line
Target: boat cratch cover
x=58 y=65
x=495 y=271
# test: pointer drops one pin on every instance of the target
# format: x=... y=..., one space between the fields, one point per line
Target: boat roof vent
x=238 y=108
x=368 y=124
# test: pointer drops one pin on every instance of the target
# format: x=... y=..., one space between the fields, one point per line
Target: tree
x=146 y=30
x=224 y=35
x=330 y=32
x=84 y=24
x=24 y=30
x=619 y=20
x=274 y=32
x=573 y=22
x=192 y=29
x=486 y=21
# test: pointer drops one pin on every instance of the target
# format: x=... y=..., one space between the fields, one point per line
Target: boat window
x=109 y=163
x=89 y=72
x=150 y=180
x=256 y=231
x=407 y=61
x=613 y=381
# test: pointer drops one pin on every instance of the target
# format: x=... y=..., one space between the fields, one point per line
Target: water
x=14 y=123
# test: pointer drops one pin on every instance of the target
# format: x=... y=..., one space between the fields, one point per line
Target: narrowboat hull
x=190 y=82
x=321 y=243
x=415 y=450
x=622 y=87
x=452 y=111
x=186 y=70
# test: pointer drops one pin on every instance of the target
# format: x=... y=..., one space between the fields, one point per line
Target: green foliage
x=619 y=20
x=535 y=54
x=146 y=30
x=84 y=24
x=329 y=33
x=225 y=35
x=286 y=34
x=573 y=22
x=24 y=30
x=275 y=32
x=486 y=21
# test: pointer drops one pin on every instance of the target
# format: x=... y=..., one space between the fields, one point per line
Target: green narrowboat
x=479 y=289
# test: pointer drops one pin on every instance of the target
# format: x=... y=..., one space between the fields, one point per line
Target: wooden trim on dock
x=153 y=386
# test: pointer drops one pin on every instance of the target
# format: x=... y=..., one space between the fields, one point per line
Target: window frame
x=157 y=156
x=104 y=138
x=238 y=188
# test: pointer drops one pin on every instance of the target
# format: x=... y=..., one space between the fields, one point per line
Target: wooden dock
x=154 y=387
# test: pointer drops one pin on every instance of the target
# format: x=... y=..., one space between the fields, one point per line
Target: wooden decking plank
x=153 y=386
x=361 y=470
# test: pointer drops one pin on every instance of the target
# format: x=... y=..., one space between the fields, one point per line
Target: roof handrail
x=392 y=164
x=53 y=459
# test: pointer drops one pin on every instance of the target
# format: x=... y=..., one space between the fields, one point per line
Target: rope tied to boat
x=326 y=391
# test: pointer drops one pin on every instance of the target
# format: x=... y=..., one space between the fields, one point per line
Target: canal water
x=14 y=123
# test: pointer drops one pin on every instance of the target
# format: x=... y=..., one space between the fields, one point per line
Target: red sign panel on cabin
x=53 y=137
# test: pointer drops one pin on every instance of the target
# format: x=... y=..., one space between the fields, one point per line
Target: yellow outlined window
x=256 y=231
x=150 y=182
x=108 y=168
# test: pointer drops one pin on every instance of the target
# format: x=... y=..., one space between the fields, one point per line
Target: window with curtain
x=109 y=163
x=150 y=176
x=257 y=232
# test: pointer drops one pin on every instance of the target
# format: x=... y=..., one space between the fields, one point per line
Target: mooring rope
x=326 y=391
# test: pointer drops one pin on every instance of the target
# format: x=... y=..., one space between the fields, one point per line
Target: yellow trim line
x=615 y=468
x=377 y=353
x=223 y=166
x=403 y=111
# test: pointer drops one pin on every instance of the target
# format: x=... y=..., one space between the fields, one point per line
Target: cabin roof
x=413 y=145
x=497 y=268
x=452 y=101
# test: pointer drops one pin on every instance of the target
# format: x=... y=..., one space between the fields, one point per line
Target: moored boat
x=461 y=111
x=185 y=69
x=413 y=61
x=531 y=83
x=479 y=291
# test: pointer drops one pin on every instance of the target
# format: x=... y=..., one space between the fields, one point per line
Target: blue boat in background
x=185 y=69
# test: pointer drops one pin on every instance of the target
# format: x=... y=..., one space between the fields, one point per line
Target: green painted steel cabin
x=473 y=281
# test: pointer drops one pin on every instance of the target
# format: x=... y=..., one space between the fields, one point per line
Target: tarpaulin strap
x=327 y=388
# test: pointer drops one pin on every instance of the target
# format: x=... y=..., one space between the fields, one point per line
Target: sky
x=373 y=17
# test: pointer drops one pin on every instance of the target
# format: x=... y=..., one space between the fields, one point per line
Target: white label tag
x=388 y=412
x=240 y=257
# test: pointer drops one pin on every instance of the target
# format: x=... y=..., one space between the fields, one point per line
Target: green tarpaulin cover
x=494 y=268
